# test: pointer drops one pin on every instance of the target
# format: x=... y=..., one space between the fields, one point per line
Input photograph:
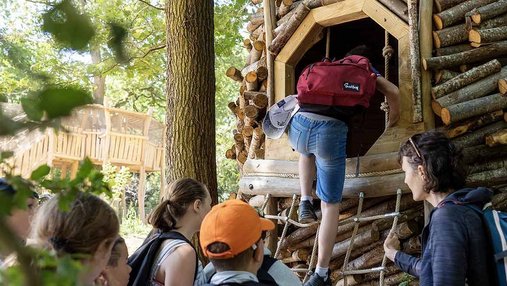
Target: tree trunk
x=499 y=202
x=477 y=137
x=99 y=81
x=480 y=153
x=441 y=5
x=474 y=124
x=292 y=24
x=415 y=59
x=453 y=50
x=487 y=177
x=487 y=35
x=483 y=53
x=397 y=7
x=442 y=76
x=190 y=92
x=473 y=91
x=450 y=36
x=464 y=110
x=497 y=138
x=360 y=240
x=488 y=11
x=488 y=166
x=457 y=13
x=466 y=78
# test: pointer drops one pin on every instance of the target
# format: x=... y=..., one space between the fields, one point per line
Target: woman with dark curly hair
x=454 y=242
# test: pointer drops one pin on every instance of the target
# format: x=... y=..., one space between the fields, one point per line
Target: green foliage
x=68 y=26
x=132 y=225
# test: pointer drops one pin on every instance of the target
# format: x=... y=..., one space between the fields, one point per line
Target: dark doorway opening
x=362 y=132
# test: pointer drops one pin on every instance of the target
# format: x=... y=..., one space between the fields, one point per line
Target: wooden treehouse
x=104 y=135
x=448 y=64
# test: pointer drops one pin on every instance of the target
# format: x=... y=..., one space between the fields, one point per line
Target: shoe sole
x=307 y=220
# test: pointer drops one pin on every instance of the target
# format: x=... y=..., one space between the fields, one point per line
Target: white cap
x=278 y=116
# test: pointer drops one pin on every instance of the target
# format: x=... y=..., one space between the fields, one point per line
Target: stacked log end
x=470 y=83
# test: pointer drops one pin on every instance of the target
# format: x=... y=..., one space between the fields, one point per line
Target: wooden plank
x=368 y=163
x=339 y=13
x=287 y=187
x=279 y=149
x=269 y=26
x=285 y=80
x=385 y=18
x=405 y=82
x=300 y=41
x=390 y=140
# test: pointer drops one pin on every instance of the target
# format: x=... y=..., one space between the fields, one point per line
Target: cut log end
x=437 y=108
x=446 y=116
x=476 y=18
x=234 y=74
x=474 y=36
x=436 y=40
x=425 y=64
x=502 y=86
x=438 y=22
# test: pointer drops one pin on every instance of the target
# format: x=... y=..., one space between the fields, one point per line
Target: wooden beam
x=300 y=42
x=339 y=13
x=269 y=26
x=140 y=194
x=385 y=18
x=285 y=80
x=367 y=163
x=286 y=187
x=415 y=59
x=426 y=27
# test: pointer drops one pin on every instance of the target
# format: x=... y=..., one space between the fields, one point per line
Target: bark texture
x=190 y=92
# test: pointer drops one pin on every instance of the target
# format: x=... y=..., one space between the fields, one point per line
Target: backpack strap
x=177 y=235
x=142 y=260
x=263 y=273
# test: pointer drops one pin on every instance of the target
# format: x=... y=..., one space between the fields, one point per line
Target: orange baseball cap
x=234 y=223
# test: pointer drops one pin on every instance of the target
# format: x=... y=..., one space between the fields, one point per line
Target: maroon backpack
x=346 y=82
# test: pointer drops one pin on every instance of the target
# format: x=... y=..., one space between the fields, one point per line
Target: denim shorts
x=326 y=139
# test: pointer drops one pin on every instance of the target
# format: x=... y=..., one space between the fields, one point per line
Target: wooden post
x=142 y=171
x=107 y=136
x=425 y=30
x=269 y=26
x=73 y=169
x=328 y=41
x=272 y=209
x=415 y=59
x=141 y=192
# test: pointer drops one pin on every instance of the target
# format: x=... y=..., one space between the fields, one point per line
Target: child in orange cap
x=232 y=238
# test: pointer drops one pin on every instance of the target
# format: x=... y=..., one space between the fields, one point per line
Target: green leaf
x=69 y=27
x=40 y=172
x=59 y=101
x=31 y=106
x=116 y=43
x=85 y=169
x=6 y=155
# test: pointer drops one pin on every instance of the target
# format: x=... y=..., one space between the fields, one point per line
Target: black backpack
x=142 y=259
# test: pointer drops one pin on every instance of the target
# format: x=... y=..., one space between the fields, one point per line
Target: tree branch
x=136 y=57
x=152 y=6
